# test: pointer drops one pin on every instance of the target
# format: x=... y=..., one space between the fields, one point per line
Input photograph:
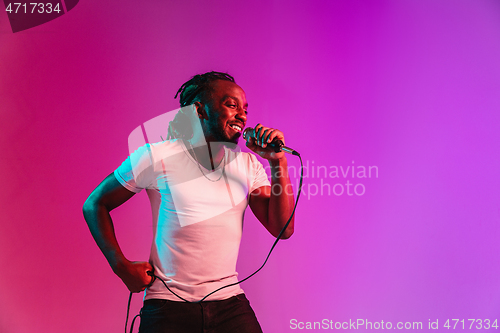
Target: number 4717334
x=480 y=323
x=25 y=8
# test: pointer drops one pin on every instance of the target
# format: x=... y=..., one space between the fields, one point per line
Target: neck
x=209 y=155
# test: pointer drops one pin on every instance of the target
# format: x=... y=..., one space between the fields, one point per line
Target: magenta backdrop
x=409 y=88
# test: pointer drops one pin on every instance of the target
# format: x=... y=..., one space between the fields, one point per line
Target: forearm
x=281 y=201
x=101 y=227
x=136 y=275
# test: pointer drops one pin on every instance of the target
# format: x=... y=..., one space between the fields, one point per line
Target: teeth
x=236 y=127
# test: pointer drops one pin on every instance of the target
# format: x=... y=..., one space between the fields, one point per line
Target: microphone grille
x=246 y=132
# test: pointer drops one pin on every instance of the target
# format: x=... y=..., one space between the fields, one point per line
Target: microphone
x=276 y=145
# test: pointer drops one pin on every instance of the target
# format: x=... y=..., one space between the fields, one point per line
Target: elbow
x=88 y=207
x=287 y=233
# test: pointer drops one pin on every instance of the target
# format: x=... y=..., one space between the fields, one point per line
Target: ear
x=200 y=110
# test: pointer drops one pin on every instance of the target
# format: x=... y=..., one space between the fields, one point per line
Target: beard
x=218 y=133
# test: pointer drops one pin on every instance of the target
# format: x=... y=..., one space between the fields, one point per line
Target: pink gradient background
x=409 y=86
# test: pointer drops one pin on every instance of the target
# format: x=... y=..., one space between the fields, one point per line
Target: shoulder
x=251 y=158
x=167 y=144
x=163 y=149
x=250 y=161
x=151 y=153
x=237 y=154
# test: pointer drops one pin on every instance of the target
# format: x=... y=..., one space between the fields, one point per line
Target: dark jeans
x=230 y=315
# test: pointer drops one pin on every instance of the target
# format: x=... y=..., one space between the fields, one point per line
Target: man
x=199 y=189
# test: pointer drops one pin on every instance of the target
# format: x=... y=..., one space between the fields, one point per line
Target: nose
x=242 y=115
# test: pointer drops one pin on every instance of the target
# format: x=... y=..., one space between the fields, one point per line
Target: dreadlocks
x=200 y=86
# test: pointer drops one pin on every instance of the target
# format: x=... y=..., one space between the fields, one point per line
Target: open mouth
x=235 y=127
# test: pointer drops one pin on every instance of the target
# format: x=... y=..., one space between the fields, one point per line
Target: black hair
x=199 y=86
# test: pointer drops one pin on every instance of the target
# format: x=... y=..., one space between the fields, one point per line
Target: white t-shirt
x=197 y=222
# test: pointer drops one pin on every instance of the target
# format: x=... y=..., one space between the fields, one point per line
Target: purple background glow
x=411 y=87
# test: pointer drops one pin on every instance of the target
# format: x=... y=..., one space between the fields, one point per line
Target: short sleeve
x=260 y=177
x=136 y=172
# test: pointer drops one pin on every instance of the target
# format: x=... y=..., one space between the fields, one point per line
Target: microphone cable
x=235 y=283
